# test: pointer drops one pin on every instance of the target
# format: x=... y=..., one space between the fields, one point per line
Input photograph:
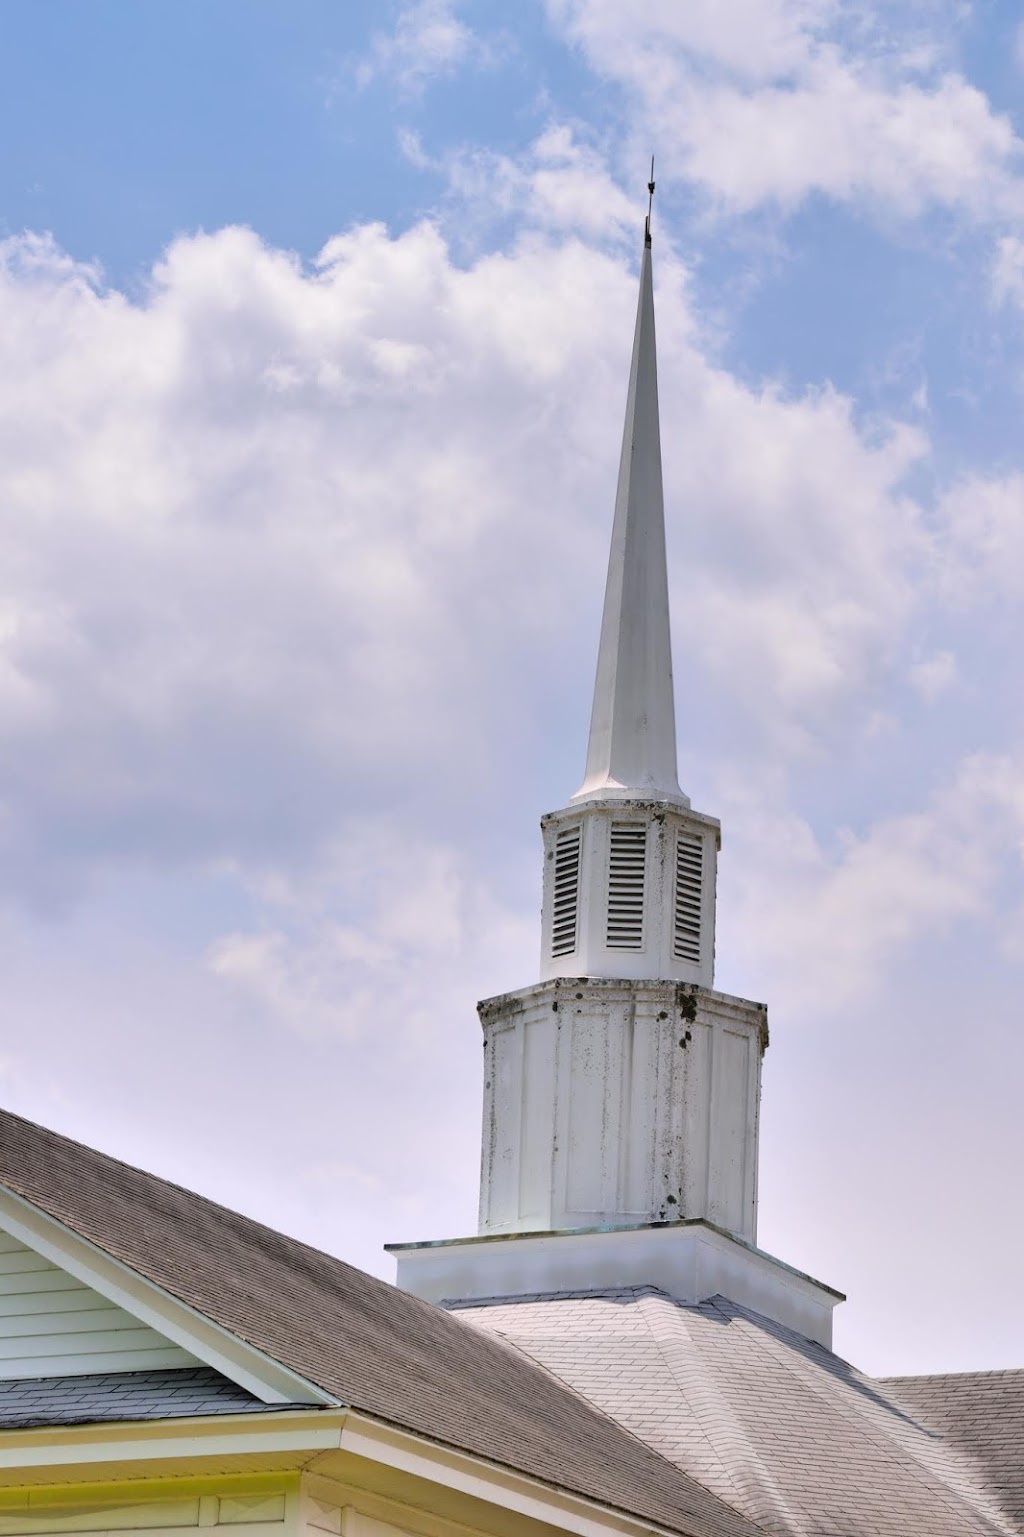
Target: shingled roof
x=773 y=1423
x=982 y=1413
x=98 y=1397
x=378 y=1350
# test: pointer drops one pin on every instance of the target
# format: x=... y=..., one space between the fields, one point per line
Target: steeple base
x=690 y=1261
x=610 y=1102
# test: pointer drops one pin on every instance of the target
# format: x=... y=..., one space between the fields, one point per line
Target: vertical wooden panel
x=504 y=1131
x=588 y=1113
x=730 y=1129
x=640 y=1118
x=538 y=1112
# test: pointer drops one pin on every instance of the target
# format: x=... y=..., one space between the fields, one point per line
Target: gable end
x=52 y=1325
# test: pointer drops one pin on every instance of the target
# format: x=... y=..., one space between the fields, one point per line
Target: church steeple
x=630 y=869
x=621 y=1092
x=632 y=748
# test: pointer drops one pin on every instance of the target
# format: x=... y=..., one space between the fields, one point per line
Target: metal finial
x=650 y=205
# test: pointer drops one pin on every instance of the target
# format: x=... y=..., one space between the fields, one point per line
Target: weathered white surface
x=617 y=1102
x=51 y=1325
x=658 y=954
x=689 y=1261
x=632 y=748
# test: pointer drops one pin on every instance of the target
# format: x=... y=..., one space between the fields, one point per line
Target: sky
x=314 y=334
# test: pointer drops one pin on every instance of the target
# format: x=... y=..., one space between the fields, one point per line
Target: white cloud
x=933 y=675
x=770 y=103
x=1008 y=271
x=558 y=184
x=757 y=40
x=981 y=550
x=428 y=41
x=255 y=528
x=426 y=937
x=823 y=928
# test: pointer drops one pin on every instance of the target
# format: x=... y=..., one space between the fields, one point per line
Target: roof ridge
x=962 y=1489
x=973 y=1376
x=550 y=1371
x=765 y=1485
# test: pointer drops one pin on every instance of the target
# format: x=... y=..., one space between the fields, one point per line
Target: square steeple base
x=690 y=1261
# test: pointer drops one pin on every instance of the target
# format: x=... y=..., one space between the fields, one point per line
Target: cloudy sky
x=314 y=330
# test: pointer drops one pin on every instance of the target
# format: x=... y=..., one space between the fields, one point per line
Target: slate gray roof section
x=110 y=1396
x=775 y=1425
x=378 y=1350
x=982 y=1413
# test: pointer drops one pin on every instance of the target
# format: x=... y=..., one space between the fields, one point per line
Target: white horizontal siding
x=53 y=1326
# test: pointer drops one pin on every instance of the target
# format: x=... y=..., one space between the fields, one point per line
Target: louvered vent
x=627 y=862
x=689 y=888
x=567 y=892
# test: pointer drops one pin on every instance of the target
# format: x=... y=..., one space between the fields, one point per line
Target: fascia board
x=218 y=1437
x=466 y=1474
x=321 y=1441
x=234 y=1358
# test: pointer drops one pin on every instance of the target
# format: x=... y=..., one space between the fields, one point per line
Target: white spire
x=632 y=749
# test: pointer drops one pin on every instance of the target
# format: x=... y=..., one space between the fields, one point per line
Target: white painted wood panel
x=244 y=1514
x=51 y=1325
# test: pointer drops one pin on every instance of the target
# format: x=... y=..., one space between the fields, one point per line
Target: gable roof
x=376 y=1349
x=770 y=1421
x=982 y=1413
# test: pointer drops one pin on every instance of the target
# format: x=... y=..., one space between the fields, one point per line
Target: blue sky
x=314 y=327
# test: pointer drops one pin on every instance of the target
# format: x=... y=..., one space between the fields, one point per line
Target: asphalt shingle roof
x=982 y=1413
x=378 y=1350
x=109 y=1396
x=774 y=1424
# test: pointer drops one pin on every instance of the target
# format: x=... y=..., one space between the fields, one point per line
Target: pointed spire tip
x=650 y=205
x=632 y=747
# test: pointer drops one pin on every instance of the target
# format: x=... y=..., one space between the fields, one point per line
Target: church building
x=610 y=1355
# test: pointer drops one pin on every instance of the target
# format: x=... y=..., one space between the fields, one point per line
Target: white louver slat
x=689 y=895
x=565 y=907
x=627 y=869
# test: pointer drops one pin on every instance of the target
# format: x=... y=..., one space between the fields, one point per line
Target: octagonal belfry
x=613 y=1102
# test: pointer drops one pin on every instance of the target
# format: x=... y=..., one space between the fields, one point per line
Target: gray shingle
x=982 y=1413
x=777 y=1426
x=107 y=1396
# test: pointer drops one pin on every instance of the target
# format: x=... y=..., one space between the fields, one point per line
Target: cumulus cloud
x=249 y=522
x=429 y=40
x=771 y=103
x=424 y=932
x=980 y=555
x=823 y=926
x=559 y=183
x=1008 y=271
x=273 y=536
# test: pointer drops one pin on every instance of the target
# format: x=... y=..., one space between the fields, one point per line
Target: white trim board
x=333 y=1450
x=177 y=1324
